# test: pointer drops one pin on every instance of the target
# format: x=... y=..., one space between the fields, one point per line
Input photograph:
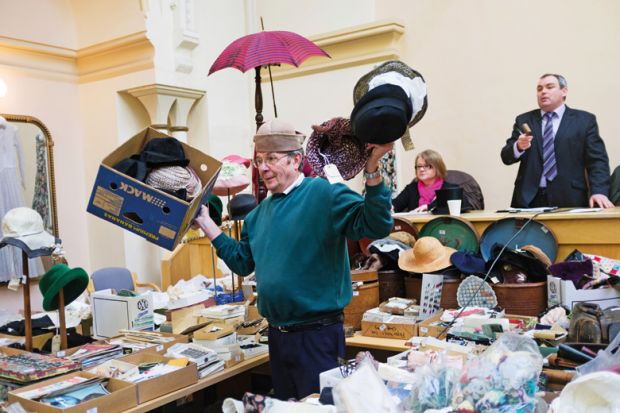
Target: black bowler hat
x=160 y=152
x=241 y=205
x=443 y=196
x=382 y=114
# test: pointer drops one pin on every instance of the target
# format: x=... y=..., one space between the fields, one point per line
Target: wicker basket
x=391 y=284
x=365 y=297
x=522 y=299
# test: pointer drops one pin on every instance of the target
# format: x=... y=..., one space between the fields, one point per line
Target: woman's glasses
x=423 y=167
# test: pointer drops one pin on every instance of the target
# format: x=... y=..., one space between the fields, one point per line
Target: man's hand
x=372 y=165
x=600 y=200
x=524 y=142
x=206 y=224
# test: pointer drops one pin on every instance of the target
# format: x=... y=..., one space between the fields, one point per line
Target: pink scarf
x=427 y=193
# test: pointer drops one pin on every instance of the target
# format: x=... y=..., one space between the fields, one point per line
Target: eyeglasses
x=347 y=367
x=423 y=167
x=270 y=160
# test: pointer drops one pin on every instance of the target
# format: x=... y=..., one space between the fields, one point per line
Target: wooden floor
x=13 y=301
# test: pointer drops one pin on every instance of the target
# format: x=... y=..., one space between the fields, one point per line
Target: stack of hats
x=388 y=100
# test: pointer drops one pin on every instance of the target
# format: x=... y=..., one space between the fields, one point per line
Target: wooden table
x=388 y=344
x=201 y=384
x=590 y=232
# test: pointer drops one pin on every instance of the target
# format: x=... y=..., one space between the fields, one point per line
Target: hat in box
x=333 y=142
x=395 y=73
x=160 y=152
x=73 y=282
x=241 y=205
x=277 y=136
x=23 y=228
x=427 y=255
x=182 y=182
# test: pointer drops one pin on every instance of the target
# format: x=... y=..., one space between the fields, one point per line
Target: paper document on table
x=540 y=209
x=580 y=210
x=409 y=213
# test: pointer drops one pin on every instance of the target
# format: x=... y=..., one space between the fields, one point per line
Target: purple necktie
x=550 y=170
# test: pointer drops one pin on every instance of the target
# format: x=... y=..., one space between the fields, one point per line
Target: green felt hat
x=72 y=281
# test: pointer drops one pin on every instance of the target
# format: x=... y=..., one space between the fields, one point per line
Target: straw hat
x=427 y=255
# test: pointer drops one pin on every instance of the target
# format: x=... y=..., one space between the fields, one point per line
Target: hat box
x=365 y=297
x=522 y=299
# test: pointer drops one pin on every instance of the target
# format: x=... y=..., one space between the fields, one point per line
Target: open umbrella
x=264 y=49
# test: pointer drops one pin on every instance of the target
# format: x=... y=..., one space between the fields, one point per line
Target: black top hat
x=444 y=195
x=241 y=205
x=382 y=114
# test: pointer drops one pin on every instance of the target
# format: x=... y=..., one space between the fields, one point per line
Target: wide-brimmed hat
x=73 y=282
x=182 y=182
x=233 y=178
x=241 y=205
x=277 y=136
x=537 y=253
x=427 y=255
x=333 y=142
x=23 y=228
x=397 y=73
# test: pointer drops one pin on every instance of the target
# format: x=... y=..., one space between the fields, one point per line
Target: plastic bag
x=504 y=378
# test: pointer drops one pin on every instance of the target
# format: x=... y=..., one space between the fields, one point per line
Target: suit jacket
x=409 y=198
x=582 y=162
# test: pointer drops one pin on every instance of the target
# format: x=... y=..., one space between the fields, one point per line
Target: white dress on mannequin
x=11 y=196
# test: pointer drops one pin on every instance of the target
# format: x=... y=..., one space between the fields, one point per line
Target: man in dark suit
x=563 y=161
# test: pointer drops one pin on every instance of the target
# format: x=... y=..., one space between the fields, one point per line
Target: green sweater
x=296 y=244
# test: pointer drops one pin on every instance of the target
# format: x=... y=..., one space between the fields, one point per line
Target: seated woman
x=419 y=195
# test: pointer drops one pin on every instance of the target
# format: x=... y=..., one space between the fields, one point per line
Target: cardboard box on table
x=112 y=313
x=167 y=383
x=389 y=330
x=430 y=326
x=153 y=214
x=122 y=396
x=564 y=292
x=158 y=348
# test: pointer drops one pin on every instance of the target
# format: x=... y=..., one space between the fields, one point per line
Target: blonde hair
x=434 y=159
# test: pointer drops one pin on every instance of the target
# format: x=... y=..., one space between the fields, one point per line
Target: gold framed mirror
x=27 y=168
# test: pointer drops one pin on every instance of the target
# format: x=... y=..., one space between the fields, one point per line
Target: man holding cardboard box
x=295 y=241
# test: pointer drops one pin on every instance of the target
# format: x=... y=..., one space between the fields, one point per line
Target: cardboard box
x=564 y=292
x=431 y=327
x=122 y=396
x=158 y=386
x=56 y=368
x=157 y=348
x=389 y=330
x=112 y=313
x=158 y=217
